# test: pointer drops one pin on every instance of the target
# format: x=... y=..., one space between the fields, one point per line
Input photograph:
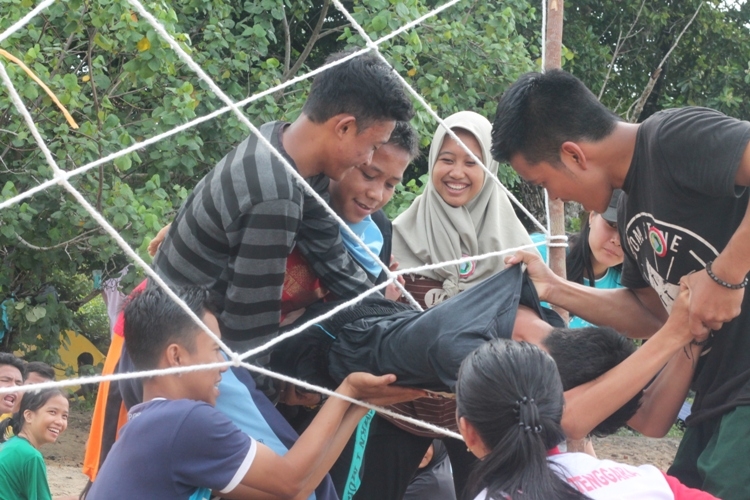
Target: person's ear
x=174 y=355
x=344 y=124
x=28 y=416
x=572 y=155
x=471 y=437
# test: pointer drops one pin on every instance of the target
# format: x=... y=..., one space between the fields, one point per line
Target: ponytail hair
x=31 y=400
x=512 y=395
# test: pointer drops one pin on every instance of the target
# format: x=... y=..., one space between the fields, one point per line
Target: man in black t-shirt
x=685 y=173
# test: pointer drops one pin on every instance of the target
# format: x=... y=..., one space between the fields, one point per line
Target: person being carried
x=685 y=174
x=425 y=349
x=510 y=408
x=187 y=458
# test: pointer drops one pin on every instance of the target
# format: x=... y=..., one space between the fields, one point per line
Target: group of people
x=252 y=253
x=28 y=420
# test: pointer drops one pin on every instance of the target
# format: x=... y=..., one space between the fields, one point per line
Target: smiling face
x=455 y=175
x=565 y=182
x=367 y=188
x=203 y=385
x=10 y=376
x=604 y=241
x=356 y=147
x=47 y=423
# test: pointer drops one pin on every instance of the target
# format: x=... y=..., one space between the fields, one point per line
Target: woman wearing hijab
x=461 y=213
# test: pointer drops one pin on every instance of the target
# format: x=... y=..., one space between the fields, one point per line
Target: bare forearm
x=589 y=404
x=286 y=476
x=663 y=399
x=619 y=308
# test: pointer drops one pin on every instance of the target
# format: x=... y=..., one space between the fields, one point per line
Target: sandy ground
x=65 y=458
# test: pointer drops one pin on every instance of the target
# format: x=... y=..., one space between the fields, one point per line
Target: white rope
x=62 y=177
x=432 y=113
x=379 y=409
x=472 y=258
x=185 y=57
x=25 y=19
x=21 y=107
x=318 y=319
x=114 y=377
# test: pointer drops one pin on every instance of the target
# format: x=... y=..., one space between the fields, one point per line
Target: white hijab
x=431 y=231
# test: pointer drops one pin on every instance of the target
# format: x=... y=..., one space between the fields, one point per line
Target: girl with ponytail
x=509 y=407
x=41 y=418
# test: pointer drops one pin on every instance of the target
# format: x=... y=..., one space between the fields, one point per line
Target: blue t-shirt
x=174 y=449
x=611 y=279
x=371 y=236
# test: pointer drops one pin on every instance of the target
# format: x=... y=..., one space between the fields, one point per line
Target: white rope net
x=62 y=177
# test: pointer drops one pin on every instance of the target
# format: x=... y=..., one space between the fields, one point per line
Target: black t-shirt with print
x=682 y=208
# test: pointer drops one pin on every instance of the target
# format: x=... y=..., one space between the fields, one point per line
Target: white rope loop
x=62 y=177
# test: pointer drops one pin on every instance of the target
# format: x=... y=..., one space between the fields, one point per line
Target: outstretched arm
x=302 y=468
x=663 y=399
x=637 y=313
x=589 y=404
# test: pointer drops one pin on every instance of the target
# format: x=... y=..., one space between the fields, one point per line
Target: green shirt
x=23 y=474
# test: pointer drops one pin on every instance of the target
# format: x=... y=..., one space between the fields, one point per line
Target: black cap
x=610 y=214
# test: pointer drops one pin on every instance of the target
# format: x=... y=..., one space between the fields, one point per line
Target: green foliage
x=92 y=321
x=404 y=196
x=123 y=84
x=708 y=66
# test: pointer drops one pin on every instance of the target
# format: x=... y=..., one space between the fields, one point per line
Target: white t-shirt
x=608 y=480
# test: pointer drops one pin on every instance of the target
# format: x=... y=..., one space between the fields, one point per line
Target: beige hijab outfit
x=431 y=231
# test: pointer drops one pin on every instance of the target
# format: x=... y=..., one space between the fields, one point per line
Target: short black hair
x=7 y=358
x=41 y=368
x=405 y=136
x=364 y=87
x=153 y=321
x=584 y=354
x=32 y=401
x=541 y=111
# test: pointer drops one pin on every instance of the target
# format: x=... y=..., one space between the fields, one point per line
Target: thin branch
x=310 y=43
x=618 y=46
x=287 y=40
x=337 y=29
x=63 y=244
x=95 y=96
x=655 y=76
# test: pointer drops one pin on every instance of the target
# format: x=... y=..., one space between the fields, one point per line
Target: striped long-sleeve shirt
x=234 y=232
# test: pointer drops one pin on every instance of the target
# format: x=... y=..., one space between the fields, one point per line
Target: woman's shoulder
x=19 y=450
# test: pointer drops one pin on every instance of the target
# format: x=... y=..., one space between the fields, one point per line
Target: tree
x=618 y=45
x=123 y=84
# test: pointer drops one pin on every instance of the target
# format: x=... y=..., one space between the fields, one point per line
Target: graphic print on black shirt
x=677 y=251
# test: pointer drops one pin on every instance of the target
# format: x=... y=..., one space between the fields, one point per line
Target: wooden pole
x=553 y=60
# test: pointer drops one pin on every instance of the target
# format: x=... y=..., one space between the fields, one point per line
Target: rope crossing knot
x=528 y=415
